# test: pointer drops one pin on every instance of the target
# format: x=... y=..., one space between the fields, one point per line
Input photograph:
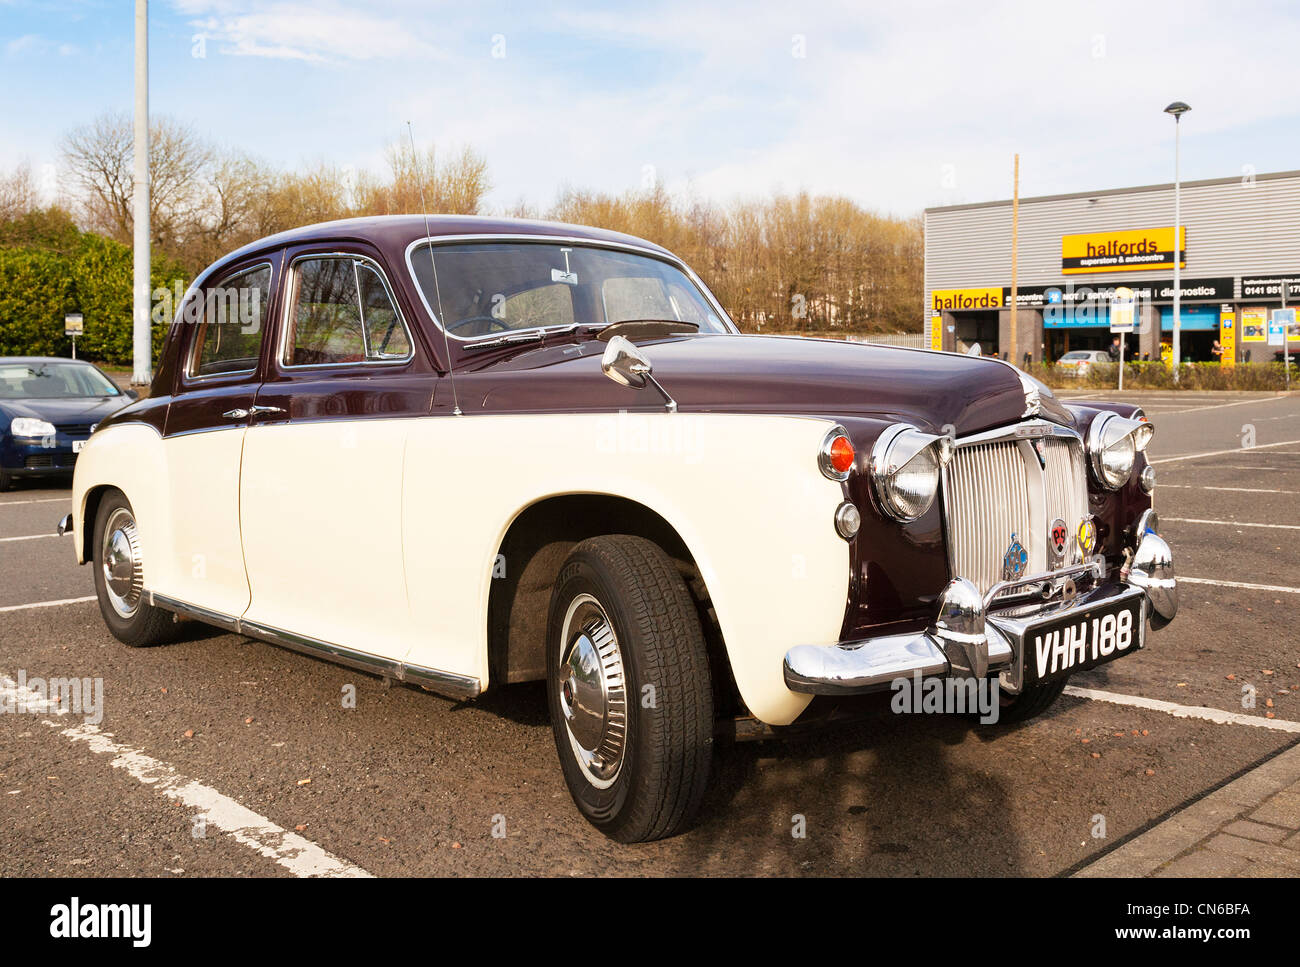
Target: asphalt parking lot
x=218 y=755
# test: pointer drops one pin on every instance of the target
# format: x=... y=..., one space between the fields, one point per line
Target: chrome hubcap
x=593 y=698
x=123 y=574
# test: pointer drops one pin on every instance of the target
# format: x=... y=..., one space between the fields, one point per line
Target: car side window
x=343 y=312
x=233 y=321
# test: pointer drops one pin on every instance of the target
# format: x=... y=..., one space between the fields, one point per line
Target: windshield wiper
x=533 y=335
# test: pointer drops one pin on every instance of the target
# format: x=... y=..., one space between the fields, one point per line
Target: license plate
x=77 y=445
x=1075 y=642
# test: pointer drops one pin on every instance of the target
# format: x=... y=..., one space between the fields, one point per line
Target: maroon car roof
x=394 y=232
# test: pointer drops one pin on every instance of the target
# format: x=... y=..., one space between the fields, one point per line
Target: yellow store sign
x=1136 y=250
x=958 y=300
x=1228 y=338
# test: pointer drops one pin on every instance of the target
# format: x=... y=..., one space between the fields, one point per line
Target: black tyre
x=119 y=576
x=1033 y=701
x=629 y=689
x=6 y=481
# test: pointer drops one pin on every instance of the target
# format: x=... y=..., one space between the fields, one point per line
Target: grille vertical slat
x=987 y=498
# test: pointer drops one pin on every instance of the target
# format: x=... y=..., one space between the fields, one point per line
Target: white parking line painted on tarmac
x=1228 y=523
x=1218 y=406
x=47 y=604
x=1219 y=453
x=28 y=537
x=41 y=500
x=298 y=855
x=1215 y=715
x=1245 y=585
x=1235 y=490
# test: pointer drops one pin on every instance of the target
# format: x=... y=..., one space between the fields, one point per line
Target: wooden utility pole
x=1015 y=245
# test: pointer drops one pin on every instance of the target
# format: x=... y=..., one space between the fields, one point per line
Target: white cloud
x=324 y=32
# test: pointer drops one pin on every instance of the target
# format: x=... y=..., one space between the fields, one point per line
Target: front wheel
x=628 y=688
x=1030 y=703
x=6 y=480
x=119 y=576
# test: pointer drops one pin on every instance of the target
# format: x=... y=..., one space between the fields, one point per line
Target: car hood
x=82 y=409
x=770 y=374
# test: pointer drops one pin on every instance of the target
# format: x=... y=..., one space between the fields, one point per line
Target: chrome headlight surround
x=1113 y=445
x=906 y=465
x=29 y=428
x=824 y=461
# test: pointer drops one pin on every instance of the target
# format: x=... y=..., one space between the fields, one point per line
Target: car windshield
x=1075 y=356
x=52 y=380
x=485 y=288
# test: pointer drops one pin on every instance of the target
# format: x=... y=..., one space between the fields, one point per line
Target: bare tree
x=98 y=157
x=455 y=187
x=18 y=194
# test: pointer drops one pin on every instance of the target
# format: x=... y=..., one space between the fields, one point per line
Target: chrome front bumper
x=966 y=641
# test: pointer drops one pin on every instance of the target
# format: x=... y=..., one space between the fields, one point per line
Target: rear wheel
x=629 y=690
x=119 y=576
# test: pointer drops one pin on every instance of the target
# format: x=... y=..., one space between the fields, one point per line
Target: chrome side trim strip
x=449 y=684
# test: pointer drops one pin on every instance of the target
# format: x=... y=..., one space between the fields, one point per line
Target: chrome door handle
x=261 y=410
x=235 y=414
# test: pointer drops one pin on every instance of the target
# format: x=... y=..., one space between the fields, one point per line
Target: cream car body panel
x=322 y=505
x=132 y=459
x=205 y=558
x=775 y=578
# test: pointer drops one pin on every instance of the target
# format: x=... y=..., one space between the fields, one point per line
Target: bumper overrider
x=974 y=635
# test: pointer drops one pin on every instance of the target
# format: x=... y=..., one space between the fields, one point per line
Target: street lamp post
x=141 y=337
x=1177 y=109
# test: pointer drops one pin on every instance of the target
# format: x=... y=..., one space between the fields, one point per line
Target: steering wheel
x=492 y=321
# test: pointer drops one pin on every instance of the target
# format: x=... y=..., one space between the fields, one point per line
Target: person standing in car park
x=1113 y=351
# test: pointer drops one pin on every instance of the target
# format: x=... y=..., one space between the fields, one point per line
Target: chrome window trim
x=190 y=376
x=493 y=238
x=291 y=298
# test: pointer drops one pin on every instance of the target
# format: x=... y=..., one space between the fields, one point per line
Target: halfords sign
x=1145 y=248
x=957 y=300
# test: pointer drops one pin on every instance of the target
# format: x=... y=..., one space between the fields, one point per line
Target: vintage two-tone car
x=461 y=452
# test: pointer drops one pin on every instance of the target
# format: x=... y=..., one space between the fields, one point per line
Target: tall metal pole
x=141 y=343
x=1178 y=222
x=1015 y=245
x=1286 y=338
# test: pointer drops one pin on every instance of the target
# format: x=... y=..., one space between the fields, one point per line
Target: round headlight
x=1113 y=445
x=905 y=465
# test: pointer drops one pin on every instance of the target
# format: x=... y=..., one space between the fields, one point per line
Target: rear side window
x=229 y=340
x=342 y=312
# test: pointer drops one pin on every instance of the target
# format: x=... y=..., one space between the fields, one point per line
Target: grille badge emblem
x=1014 y=561
x=1060 y=538
x=1087 y=534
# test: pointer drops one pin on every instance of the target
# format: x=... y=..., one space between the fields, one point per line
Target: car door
x=221 y=367
x=321 y=488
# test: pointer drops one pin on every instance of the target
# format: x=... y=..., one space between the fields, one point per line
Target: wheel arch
x=529 y=557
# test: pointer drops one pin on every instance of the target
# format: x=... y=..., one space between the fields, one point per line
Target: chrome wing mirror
x=628 y=366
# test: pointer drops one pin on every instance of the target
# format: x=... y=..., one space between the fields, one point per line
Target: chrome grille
x=985 y=501
x=994 y=490
x=1066 y=491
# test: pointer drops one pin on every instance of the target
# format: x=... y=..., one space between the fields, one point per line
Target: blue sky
x=897 y=105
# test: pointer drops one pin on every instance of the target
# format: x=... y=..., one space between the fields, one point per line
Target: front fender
x=742 y=491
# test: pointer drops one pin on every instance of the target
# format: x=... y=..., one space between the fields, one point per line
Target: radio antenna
x=437 y=292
